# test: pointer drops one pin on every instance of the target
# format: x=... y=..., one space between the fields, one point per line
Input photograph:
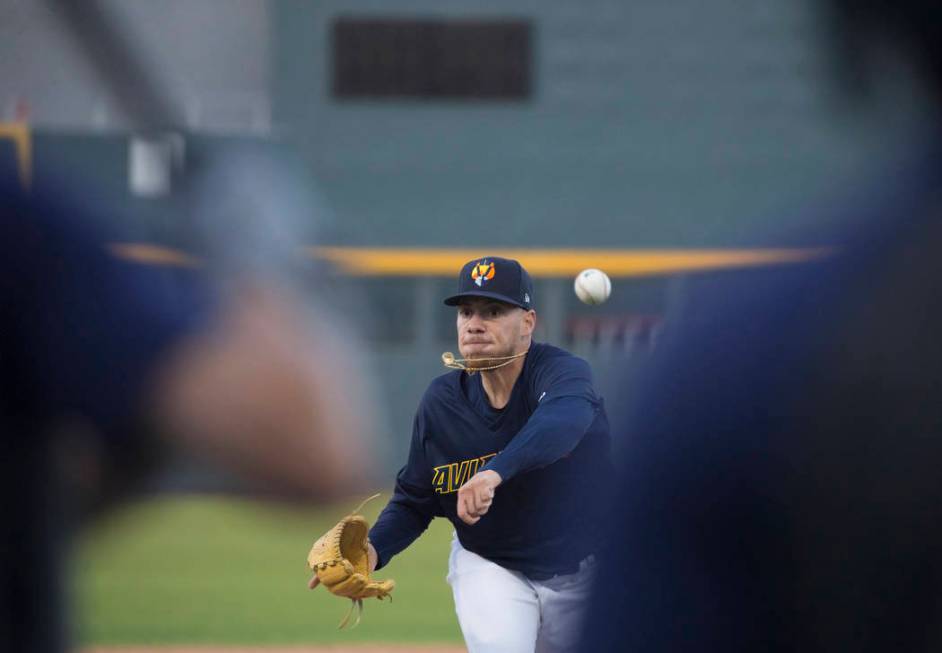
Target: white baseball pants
x=502 y=611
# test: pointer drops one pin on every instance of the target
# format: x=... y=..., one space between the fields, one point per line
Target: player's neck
x=499 y=384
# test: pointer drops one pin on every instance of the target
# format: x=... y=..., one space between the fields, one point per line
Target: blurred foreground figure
x=782 y=487
x=110 y=353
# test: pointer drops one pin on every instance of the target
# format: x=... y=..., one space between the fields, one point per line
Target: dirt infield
x=338 y=648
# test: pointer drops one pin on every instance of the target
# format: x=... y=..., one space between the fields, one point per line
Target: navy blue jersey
x=550 y=444
x=781 y=489
x=81 y=335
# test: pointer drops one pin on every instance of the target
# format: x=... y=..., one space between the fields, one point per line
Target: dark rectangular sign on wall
x=386 y=58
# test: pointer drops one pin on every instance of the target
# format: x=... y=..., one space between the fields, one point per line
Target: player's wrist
x=500 y=473
x=372 y=556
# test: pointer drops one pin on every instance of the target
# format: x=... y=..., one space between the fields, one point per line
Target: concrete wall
x=680 y=123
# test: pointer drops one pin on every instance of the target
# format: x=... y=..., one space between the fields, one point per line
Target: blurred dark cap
x=913 y=25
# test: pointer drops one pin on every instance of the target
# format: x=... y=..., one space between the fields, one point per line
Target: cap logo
x=482 y=272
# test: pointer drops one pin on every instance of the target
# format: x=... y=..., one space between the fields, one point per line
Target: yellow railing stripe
x=557 y=262
x=417 y=262
x=19 y=133
x=153 y=255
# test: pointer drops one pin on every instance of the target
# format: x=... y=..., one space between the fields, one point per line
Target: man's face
x=489 y=329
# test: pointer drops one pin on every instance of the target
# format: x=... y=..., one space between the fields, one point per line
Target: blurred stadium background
x=665 y=142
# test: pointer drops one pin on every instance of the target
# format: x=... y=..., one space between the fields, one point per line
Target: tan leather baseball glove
x=340 y=559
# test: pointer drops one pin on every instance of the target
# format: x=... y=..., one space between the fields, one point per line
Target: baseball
x=593 y=286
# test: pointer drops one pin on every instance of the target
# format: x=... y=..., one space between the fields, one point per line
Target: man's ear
x=529 y=322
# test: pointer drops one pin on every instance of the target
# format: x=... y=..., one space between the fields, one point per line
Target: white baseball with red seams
x=592 y=286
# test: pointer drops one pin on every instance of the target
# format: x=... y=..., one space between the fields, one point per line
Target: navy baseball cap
x=503 y=279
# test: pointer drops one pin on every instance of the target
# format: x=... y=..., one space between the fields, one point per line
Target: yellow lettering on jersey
x=442 y=478
x=462 y=474
x=448 y=478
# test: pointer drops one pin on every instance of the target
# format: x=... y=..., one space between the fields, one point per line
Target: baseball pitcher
x=513 y=448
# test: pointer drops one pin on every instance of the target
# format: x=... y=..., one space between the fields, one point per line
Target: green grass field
x=203 y=570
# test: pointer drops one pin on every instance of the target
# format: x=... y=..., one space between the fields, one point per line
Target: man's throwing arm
x=565 y=412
